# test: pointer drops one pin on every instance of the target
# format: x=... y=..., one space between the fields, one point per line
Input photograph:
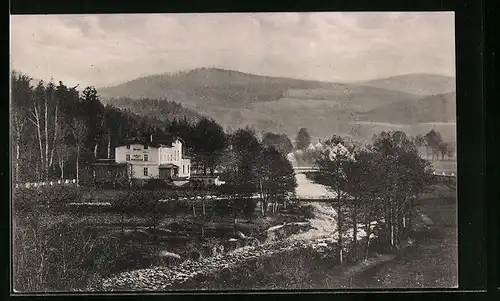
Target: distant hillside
x=210 y=86
x=419 y=84
x=275 y=104
x=435 y=108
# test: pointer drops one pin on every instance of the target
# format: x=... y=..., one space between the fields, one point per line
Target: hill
x=435 y=108
x=419 y=83
x=275 y=104
x=210 y=85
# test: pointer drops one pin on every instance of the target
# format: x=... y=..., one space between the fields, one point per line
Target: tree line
x=376 y=189
x=58 y=131
x=434 y=145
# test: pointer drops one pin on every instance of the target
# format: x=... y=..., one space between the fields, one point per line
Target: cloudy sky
x=109 y=49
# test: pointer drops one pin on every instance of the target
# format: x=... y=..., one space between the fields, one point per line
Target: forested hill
x=284 y=105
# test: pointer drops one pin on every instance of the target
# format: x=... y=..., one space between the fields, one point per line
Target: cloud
x=108 y=49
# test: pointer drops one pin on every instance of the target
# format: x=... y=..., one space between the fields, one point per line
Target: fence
x=49 y=183
x=444 y=174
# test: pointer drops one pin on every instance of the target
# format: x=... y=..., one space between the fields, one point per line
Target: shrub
x=52 y=258
x=223 y=207
x=49 y=197
x=307 y=211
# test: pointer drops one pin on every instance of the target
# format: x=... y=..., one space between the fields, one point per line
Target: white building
x=148 y=160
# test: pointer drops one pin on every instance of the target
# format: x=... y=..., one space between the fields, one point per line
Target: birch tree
x=79 y=131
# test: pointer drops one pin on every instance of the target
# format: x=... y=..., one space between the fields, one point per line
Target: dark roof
x=157 y=142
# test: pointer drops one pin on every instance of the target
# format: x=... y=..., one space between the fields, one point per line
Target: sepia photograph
x=233 y=151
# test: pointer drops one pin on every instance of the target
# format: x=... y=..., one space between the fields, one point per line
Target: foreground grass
x=431 y=262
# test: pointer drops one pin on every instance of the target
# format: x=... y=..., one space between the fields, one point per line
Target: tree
x=62 y=150
x=21 y=95
x=443 y=148
x=277 y=177
x=303 y=139
x=92 y=110
x=332 y=165
x=36 y=120
x=79 y=131
x=335 y=140
x=281 y=142
x=363 y=185
x=433 y=140
x=403 y=174
x=210 y=142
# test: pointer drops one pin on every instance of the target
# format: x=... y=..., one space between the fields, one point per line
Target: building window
x=145 y=171
x=128 y=146
x=127 y=157
x=146 y=146
x=146 y=157
x=183 y=170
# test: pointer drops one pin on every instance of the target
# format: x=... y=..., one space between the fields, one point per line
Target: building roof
x=164 y=141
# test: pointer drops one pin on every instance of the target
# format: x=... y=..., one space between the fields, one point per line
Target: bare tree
x=79 y=131
x=35 y=118
x=18 y=125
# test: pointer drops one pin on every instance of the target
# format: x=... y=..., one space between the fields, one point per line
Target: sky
x=104 y=50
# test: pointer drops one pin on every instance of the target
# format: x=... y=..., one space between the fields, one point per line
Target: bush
x=53 y=258
x=155 y=184
x=223 y=207
x=50 y=197
x=307 y=211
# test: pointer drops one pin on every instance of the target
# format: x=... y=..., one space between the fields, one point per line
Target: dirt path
x=431 y=262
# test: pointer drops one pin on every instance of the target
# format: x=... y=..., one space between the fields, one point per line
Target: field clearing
x=296 y=103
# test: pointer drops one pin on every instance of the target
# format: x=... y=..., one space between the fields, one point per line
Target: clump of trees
x=280 y=142
x=255 y=168
x=376 y=189
x=434 y=145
